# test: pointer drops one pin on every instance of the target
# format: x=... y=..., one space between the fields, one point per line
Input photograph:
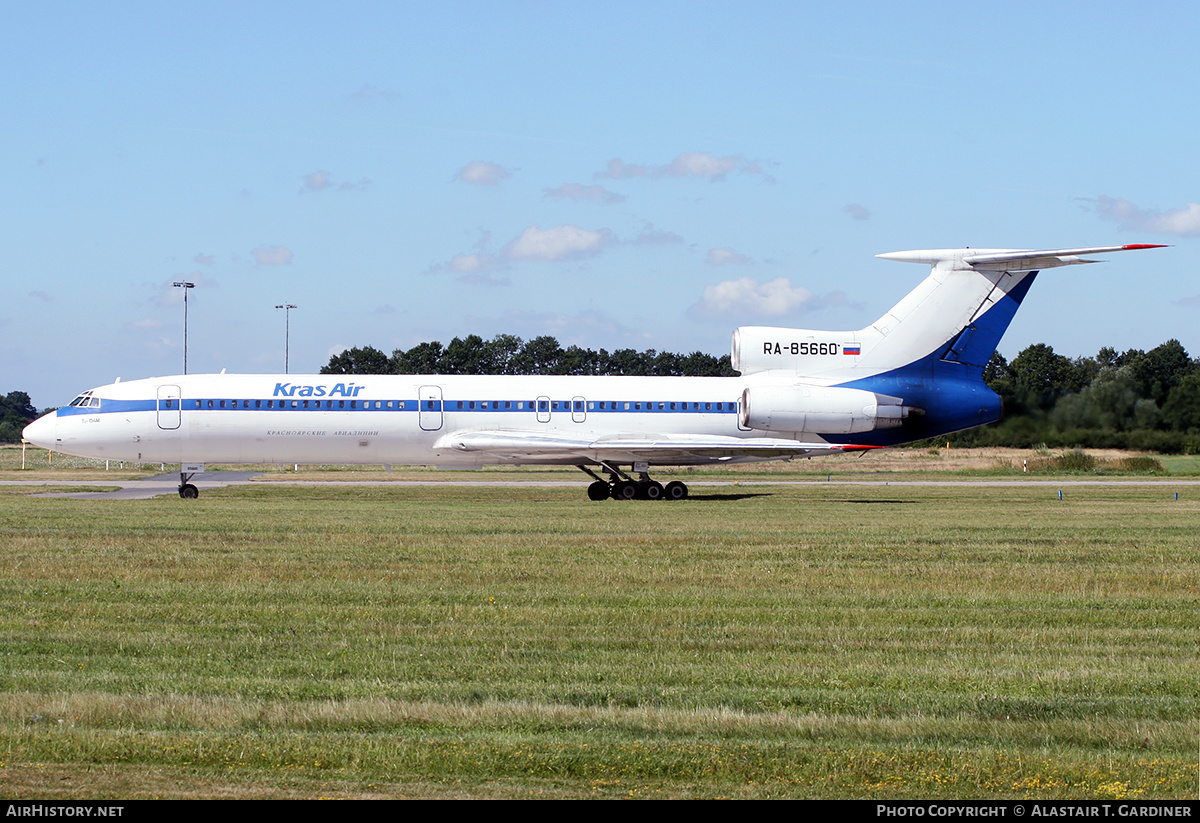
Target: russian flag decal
x=851 y=348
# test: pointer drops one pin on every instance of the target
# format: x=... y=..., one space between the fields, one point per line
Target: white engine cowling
x=820 y=409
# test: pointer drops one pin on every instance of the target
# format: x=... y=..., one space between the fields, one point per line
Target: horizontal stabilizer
x=1012 y=260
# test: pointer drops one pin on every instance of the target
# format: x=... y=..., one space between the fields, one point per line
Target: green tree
x=1160 y=369
x=367 y=360
x=1040 y=376
x=1181 y=411
x=16 y=412
x=423 y=358
x=541 y=355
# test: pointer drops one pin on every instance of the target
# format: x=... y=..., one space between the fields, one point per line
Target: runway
x=168 y=484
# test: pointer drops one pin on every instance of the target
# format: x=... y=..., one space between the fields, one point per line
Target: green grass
x=813 y=641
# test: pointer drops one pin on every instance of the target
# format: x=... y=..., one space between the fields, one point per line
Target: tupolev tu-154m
x=915 y=373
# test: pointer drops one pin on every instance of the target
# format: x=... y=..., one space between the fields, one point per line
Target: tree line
x=509 y=354
x=1143 y=400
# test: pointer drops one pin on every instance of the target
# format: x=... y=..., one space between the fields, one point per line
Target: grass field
x=752 y=641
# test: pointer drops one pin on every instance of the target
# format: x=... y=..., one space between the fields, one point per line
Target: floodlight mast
x=185 y=285
x=287 y=333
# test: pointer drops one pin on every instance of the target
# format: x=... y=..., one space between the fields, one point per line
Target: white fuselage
x=379 y=419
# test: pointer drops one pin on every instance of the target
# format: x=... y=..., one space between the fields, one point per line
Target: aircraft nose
x=43 y=432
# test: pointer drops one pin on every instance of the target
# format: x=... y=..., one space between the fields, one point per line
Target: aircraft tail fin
x=957 y=314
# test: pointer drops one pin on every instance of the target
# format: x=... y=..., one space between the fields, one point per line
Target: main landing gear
x=620 y=486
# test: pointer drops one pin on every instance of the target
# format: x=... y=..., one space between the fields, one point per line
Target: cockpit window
x=86 y=399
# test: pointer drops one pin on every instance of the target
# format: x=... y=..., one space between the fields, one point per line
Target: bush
x=1075 y=461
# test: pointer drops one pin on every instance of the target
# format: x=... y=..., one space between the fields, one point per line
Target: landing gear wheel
x=188 y=492
x=650 y=491
x=676 y=490
x=624 y=490
x=598 y=491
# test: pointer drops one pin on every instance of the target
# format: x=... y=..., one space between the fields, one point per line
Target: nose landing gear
x=186 y=472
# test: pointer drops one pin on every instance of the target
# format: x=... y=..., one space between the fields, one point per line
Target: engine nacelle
x=800 y=351
x=820 y=409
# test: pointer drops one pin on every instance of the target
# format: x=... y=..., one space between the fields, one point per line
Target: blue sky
x=645 y=175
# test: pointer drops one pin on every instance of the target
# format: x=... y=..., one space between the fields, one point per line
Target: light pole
x=185 y=285
x=287 y=331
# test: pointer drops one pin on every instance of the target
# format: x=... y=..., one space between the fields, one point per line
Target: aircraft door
x=578 y=410
x=543 y=409
x=168 y=407
x=429 y=408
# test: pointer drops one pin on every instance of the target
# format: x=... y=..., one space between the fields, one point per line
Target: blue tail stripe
x=948 y=383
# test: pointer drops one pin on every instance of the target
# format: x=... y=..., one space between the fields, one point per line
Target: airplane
x=915 y=373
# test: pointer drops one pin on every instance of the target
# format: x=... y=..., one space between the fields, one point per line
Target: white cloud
x=700 y=164
x=578 y=192
x=726 y=257
x=481 y=173
x=1183 y=222
x=318 y=181
x=535 y=243
x=746 y=297
x=473 y=263
x=558 y=243
x=203 y=259
x=651 y=236
x=272 y=256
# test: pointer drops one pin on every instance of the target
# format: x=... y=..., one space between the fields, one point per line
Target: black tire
x=188 y=492
x=598 y=491
x=676 y=490
x=624 y=490
x=650 y=491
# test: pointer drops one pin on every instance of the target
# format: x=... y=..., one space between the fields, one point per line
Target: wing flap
x=663 y=449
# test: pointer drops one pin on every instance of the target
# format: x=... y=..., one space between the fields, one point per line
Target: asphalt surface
x=168 y=484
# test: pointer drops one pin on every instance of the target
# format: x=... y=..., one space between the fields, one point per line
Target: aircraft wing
x=625 y=448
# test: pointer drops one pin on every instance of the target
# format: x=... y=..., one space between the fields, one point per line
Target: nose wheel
x=186 y=490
